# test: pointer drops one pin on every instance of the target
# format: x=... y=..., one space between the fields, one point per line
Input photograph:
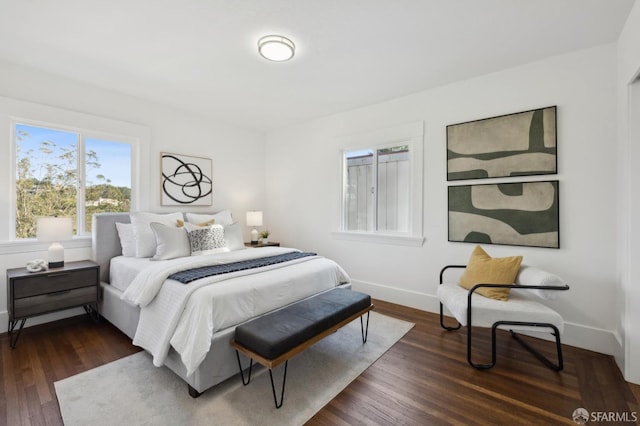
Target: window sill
x=391 y=239
x=31 y=246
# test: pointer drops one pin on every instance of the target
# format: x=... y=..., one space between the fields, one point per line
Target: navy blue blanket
x=189 y=275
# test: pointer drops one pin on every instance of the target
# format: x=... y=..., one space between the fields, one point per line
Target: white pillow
x=145 y=240
x=223 y=218
x=233 y=236
x=127 y=239
x=206 y=239
x=171 y=242
x=530 y=275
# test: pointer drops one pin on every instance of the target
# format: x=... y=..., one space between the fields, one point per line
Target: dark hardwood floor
x=424 y=379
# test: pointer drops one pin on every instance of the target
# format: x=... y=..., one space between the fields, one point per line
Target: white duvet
x=185 y=316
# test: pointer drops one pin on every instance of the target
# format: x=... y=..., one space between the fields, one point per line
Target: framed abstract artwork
x=517 y=144
x=521 y=213
x=185 y=180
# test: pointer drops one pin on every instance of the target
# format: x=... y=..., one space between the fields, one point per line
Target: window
x=68 y=172
x=382 y=186
x=377 y=189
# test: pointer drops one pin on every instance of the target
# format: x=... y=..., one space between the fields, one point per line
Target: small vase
x=265 y=241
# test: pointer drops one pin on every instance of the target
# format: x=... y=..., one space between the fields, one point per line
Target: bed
x=188 y=327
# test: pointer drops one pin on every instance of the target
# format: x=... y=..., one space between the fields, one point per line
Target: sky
x=111 y=154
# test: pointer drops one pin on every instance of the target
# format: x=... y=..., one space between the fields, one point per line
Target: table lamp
x=254 y=218
x=54 y=230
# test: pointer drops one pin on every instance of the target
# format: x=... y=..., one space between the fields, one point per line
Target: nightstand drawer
x=36 y=305
x=54 y=282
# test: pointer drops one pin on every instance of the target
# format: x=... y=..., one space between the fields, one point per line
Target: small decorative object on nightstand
x=265 y=236
x=30 y=294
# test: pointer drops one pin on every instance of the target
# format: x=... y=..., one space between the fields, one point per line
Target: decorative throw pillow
x=127 y=239
x=223 y=218
x=145 y=240
x=171 y=242
x=206 y=240
x=483 y=269
x=233 y=236
x=530 y=275
x=180 y=223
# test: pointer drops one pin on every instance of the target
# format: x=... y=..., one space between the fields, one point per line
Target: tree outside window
x=68 y=173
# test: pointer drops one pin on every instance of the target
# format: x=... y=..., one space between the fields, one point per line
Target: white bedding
x=123 y=269
x=187 y=316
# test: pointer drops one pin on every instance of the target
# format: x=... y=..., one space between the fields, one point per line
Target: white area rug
x=131 y=391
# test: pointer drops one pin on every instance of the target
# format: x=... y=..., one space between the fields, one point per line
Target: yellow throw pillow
x=484 y=269
x=180 y=223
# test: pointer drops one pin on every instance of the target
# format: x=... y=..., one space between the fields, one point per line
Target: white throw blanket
x=186 y=316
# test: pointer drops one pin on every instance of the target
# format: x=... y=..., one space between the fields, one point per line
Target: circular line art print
x=186 y=180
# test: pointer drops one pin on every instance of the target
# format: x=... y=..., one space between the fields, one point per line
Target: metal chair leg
x=442 y=321
x=493 y=351
x=556 y=367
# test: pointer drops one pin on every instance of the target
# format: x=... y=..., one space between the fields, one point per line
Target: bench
x=276 y=337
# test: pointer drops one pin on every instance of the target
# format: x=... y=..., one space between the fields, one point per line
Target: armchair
x=519 y=312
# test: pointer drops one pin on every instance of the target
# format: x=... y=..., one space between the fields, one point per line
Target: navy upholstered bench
x=273 y=338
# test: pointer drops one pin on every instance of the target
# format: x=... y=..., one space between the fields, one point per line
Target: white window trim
x=411 y=134
x=14 y=111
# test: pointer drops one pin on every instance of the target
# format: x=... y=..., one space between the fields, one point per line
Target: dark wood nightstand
x=36 y=293
x=270 y=244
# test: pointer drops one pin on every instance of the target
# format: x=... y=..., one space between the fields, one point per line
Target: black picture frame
x=511 y=213
x=185 y=180
x=518 y=144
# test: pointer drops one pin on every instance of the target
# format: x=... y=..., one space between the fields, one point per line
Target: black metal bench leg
x=363 y=330
x=241 y=373
x=273 y=388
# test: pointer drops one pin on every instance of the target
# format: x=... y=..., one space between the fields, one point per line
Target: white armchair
x=519 y=312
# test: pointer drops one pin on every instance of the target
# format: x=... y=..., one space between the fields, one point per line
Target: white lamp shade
x=254 y=218
x=54 y=229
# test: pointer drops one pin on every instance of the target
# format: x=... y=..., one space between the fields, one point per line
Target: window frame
x=81 y=165
x=14 y=112
x=410 y=134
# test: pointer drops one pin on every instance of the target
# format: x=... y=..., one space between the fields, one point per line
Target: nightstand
x=36 y=293
x=270 y=244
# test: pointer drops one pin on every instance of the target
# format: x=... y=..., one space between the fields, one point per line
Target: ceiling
x=201 y=55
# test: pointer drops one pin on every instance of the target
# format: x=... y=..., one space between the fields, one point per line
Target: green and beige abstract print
x=524 y=214
x=510 y=145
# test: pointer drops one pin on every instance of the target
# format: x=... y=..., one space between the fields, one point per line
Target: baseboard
x=578 y=335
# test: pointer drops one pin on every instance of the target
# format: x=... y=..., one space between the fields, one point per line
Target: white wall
x=303 y=187
x=237 y=154
x=629 y=187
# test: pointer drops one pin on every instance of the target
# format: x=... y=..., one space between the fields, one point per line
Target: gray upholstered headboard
x=105 y=242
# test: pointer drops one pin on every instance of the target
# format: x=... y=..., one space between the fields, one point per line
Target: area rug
x=131 y=391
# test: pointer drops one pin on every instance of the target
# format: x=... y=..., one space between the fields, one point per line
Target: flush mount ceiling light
x=276 y=48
